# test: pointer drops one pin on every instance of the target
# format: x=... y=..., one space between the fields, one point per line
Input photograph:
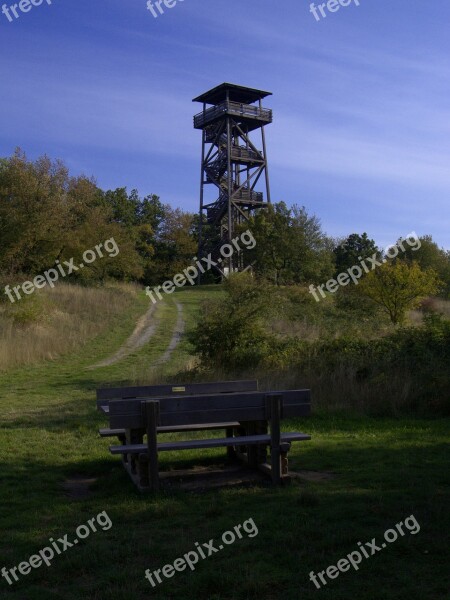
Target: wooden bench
x=243 y=410
x=130 y=436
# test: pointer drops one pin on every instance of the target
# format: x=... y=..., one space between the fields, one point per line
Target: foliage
x=408 y=366
x=430 y=256
x=290 y=246
x=354 y=249
x=231 y=332
x=420 y=355
x=349 y=299
x=46 y=215
x=175 y=245
x=31 y=309
x=398 y=287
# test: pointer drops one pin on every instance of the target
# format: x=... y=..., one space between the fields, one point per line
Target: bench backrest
x=104 y=395
x=212 y=408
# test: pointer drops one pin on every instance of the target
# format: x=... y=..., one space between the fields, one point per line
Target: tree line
x=47 y=215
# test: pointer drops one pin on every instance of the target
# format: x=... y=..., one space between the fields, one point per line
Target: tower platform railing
x=228 y=107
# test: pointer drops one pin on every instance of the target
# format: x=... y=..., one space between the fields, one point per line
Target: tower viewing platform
x=236 y=101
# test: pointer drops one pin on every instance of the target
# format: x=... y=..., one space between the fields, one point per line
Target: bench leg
x=275 y=435
x=256 y=455
x=151 y=409
x=123 y=441
x=231 y=453
x=284 y=464
x=143 y=471
x=284 y=449
x=261 y=451
x=241 y=451
x=132 y=436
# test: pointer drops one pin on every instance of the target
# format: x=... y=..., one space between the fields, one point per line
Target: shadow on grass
x=302 y=527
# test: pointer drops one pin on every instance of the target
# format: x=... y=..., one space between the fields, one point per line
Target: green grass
x=384 y=471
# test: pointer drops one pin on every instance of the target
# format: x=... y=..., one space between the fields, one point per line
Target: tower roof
x=237 y=93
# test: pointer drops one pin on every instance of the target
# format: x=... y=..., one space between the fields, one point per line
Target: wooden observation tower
x=232 y=166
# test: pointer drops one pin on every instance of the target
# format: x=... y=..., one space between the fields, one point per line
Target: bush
x=231 y=334
x=417 y=355
x=405 y=370
x=31 y=309
x=348 y=299
x=4 y=281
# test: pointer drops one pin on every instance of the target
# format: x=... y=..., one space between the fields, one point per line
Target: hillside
x=56 y=473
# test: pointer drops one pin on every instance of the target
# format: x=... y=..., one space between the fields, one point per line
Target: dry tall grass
x=53 y=322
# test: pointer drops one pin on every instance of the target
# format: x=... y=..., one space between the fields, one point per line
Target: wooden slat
x=219 y=415
x=197 y=427
x=185 y=403
x=186 y=389
x=235 y=400
x=176 y=429
x=210 y=401
x=111 y=432
x=248 y=440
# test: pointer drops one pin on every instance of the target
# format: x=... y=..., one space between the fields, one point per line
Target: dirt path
x=176 y=337
x=145 y=329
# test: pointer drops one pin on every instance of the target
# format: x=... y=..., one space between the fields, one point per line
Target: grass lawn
x=384 y=470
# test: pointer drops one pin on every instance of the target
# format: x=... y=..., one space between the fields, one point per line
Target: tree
x=46 y=215
x=125 y=207
x=352 y=250
x=152 y=212
x=33 y=212
x=290 y=246
x=175 y=245
x=429 y=255
x=398 y=287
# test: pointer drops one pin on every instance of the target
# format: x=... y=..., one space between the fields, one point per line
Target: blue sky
x=361 y=100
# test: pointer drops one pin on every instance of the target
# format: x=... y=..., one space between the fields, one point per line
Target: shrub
x=231 y=333
x=31 y=309
x=405 y=370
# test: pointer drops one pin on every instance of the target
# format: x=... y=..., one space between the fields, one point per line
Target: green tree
x=429 y=255
x=290 y=246
x=124 y=207
x=46 y=215
x=152 y=212
x=352 y=250
x=175 y=246
x=398 y=287
x=33 y=212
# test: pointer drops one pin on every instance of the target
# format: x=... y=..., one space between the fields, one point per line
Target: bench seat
x=174 y=429
x=111 y=432
x=248 y=440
